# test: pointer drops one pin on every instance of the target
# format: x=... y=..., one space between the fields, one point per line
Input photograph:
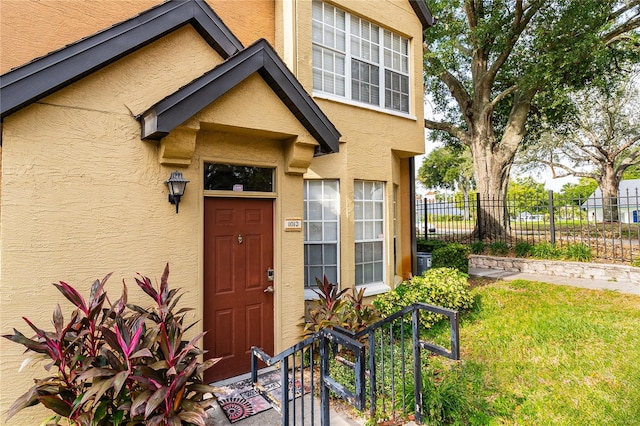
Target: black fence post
x=324 y=389
x=417 y=368
x=552 y=222
x=426 y=220
x=479 y=218
x=284 y=378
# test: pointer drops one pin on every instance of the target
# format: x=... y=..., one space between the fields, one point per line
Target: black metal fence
x=379 y=369
x=610 y=226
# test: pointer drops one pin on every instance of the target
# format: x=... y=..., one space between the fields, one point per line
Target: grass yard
x=540 y=354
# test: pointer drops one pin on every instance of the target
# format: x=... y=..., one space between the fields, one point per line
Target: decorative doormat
x=239 y=400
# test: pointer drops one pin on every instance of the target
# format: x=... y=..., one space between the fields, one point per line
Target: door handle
x=269 y=289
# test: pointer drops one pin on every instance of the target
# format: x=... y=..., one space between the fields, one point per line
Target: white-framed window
x=368 y=206
x=321 y=231
x=358 y=60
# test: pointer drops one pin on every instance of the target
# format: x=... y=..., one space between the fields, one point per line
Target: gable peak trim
x=260 y=57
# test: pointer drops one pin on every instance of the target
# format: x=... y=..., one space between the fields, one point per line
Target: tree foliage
x=495 y=69
x=525 y=192
x=526 y=187
x=580 y=191
x=600 y=143
x=447 y=168
x=632 y=172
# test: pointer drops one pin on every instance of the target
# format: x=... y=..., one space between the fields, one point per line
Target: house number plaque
x=293 y=224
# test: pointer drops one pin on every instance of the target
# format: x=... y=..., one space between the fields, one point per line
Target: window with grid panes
x=368 y=205
x=321 y=231
x=358 y=60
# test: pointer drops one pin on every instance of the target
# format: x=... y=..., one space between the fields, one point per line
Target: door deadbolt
x=270 y=274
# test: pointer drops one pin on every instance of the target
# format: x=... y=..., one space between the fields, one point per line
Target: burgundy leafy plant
x=359 y=315
x=328 y=310
x=119 y=363
x=332 y=309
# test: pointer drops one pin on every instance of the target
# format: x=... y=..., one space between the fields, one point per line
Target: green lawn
x=539 y=354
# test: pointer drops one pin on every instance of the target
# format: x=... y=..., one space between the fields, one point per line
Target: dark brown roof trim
x=424 y=14
x=43 y=76
x=260 y=57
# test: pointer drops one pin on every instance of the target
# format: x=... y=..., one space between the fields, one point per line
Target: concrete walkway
x=594 y=284
x=271 y=417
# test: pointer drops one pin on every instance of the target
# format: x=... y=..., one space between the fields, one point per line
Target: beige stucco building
x=295 y=122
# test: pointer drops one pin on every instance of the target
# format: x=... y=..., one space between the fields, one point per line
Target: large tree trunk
x=492 y=177
x=609 y=184
x=493 y=158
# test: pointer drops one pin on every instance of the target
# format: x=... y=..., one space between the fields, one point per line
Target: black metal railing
x=388 y=337
x=370 y=369
x=610 y=226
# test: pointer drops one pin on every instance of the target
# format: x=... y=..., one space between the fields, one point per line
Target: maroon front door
x=238 y=312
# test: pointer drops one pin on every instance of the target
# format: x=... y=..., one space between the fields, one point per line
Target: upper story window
x=358 y=60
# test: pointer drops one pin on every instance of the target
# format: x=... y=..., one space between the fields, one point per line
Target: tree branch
x=454 y=131
x=502 y=95
x=628 y=144
x=458 y=91
x=470 y=11
x=568 y=171
x=613 y=35
x=515 y=129
x=624 y=9
x=520 y=22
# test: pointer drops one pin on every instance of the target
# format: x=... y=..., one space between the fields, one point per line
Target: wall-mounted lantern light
x=176 y=184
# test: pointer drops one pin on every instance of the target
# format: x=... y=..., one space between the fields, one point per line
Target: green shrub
x=477 y=247
x=579 y=252
x=523 y=249
x=428 y=246
x=546 y=251
x=453 y=255
x=445 y=287
x=499 y=248
x=636 y=262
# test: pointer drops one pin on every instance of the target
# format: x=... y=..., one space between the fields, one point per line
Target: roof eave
x=41 y=77
x=423 y=12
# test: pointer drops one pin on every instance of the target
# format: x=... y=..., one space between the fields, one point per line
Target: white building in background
x=628 y=203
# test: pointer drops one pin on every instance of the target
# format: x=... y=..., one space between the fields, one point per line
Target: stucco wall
x=82 y=195
x=32 y=28
x=248 y=19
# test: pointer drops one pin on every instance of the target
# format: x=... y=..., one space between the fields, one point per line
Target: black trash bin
x=423 y=262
